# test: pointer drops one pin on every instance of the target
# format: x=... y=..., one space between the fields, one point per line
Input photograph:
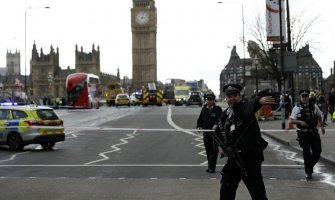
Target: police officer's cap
x=231 y=88
x=304 y=92
x=210 y=96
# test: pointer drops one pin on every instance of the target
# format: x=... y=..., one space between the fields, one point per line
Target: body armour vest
x=307 y=115
x=233 y=127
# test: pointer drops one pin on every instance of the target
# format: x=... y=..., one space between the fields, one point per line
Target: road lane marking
x=169 y=119
x=12 y=157
x=176 y=128
x=198 y=136
x=114 y=148
x=290 y=155
x=147 y=165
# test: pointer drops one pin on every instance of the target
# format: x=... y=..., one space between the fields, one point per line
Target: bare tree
x=299 y=30
x=263 y=49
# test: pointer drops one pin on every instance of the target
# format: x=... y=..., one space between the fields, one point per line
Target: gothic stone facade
x=47 y=79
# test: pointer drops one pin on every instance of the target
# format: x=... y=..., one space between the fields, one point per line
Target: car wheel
x=14 y=141
x=48 y=145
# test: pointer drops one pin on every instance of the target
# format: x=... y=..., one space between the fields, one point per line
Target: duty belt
x=308 y=130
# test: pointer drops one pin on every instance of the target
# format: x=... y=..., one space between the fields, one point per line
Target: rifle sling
x=243 y=132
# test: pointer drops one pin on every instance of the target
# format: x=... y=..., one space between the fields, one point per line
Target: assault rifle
x=232 y=154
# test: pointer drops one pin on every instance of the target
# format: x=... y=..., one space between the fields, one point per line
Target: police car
x=122 y=99
x=24 y=125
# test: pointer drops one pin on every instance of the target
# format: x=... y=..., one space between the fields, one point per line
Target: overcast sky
x=194 y=37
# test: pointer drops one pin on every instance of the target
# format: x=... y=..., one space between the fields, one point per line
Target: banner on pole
x=272 y=20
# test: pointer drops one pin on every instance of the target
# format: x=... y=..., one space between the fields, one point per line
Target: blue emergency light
x=8 y=104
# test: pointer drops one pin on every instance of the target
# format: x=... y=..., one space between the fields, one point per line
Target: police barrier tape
x=130 y=129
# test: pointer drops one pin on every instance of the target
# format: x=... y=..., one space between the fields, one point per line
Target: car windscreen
x=123 y=97
x=46 y=114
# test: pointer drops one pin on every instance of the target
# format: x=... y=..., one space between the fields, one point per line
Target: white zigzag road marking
x=290 y=154
x=72 y=134
x=198 y=137
x=13 y=157
x=114 y=147
x=201 y=145
x=327 y=178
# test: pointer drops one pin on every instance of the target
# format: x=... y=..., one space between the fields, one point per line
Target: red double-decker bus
x=83 y=90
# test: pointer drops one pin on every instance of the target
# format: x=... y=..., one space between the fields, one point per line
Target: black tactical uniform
x=239 y=128
x=207 y=119
x=308 y=137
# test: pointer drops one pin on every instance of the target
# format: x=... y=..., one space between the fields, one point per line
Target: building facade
x=11 y=80
x=308 y=74
x=330 y=80
x=144 y=50
x=13 y=63
x=88 y=62
x=233 y=73
x=47 y=79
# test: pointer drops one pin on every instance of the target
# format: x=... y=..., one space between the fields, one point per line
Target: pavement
x=273 y=129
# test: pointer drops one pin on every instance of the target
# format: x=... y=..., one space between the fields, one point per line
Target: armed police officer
x=240 y=133
x=208 y=118
x=307 y=116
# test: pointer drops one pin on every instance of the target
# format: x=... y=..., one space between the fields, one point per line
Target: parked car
x=122 y=99
x=135 y=99
x=194 y=99
x=24 y=125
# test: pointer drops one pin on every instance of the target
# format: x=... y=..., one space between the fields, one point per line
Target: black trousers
x=211 y=151
x=231 y=178
x=311 y=147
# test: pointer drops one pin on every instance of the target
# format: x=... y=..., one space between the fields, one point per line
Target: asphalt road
x=143 y=153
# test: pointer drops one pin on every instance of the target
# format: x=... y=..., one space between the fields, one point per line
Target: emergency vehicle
x=181 y=94
x=152 y=95
x=111 y=91
x=24 y=125
x=168 y=94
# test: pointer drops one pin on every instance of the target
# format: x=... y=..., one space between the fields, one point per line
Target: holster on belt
x=300 y=134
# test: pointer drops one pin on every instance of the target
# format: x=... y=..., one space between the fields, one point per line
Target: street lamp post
x=282 y=64
x=256 y=73
x=25 y=44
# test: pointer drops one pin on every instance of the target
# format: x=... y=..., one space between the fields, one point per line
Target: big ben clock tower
x=144 y=29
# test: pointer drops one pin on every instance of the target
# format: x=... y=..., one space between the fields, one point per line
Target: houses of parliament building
x=47 y=78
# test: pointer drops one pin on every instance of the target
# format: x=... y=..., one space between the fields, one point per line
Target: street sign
x=290 y=61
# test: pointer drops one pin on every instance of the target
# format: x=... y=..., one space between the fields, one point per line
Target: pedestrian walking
x=331 y=102
x=208 y=119
x=288 y=104
x=323 y=106
x=240 y=132
x=307 y=116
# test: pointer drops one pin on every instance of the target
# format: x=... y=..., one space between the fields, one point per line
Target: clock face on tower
x=142 y=17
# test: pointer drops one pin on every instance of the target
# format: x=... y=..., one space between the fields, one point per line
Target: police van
x=24 y=125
